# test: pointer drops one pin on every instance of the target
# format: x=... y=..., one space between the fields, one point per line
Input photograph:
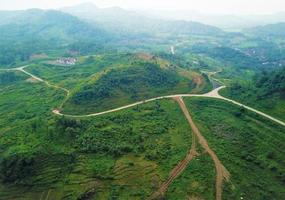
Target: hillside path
x=22 y=69
x=212 y=94
x=221 y=172
x=179 y=168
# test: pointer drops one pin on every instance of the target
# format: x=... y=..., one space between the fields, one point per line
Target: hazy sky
x=206 y=6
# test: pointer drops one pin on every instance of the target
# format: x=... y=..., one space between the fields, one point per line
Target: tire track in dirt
x=221 y=172
x=180 y=167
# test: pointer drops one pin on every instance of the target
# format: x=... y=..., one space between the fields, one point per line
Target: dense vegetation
x=232 y=57
x=39 y=31
x=249 y=146
x=265 y=92
x=71 y=159
x=126 y=155
x=140 y=80
x=123 y=57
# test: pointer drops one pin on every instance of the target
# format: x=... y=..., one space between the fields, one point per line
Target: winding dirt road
x=22 y=69
x=179 y=168
x=221 y=172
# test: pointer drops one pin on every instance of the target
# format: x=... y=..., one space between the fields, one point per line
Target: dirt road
x=179 y=168
x=221 y=172
x=22 y=69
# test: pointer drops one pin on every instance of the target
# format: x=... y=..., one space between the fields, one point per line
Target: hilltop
x=134 y=78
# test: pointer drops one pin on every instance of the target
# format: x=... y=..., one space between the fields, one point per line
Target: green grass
x=273 y=105
x=140 y=81
x=197 y=181
x=122 y=155
x=262 y=91
x=128 y=154
x=22 y=100
x=124 y=78
x=249 y=146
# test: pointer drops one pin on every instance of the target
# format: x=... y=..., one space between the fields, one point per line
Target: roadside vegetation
x=249 y=146
x=266 y=92
x=131 y=153
x=123 y=155
x=142 y=77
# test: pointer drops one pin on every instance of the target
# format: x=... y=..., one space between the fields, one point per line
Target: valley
x=221 y=172
x=107 y=103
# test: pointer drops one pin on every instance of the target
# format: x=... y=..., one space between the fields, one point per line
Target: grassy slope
x=138 y=79
x=197 y=181
x=137 y=149
x=71 y=77
x=274 y=106
x=24 y=100
x=264 y=92
x=250 y=147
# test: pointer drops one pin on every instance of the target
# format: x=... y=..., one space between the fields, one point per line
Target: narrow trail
x=221 y=172
x=179 y=168
x=22 y=69
x=48 y=194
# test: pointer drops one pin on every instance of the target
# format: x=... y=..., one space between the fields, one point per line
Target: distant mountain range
x=85 y=28
x=229 y=22
x=116 y=19
x=46 y=25
x=23 y=33
x=270 y=30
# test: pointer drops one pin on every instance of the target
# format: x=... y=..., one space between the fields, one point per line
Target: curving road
x=221 y=172
x=212 y=94
x=22 y=69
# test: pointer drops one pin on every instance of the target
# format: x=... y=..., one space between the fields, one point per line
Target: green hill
x=140 y=77
x=266 y=92
x=37 y=31
x=120 y=20
x=128 y=154
x=270 y=30
x=49 y=25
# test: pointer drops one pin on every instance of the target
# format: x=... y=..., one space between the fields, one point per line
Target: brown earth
x=179 y=168
x=221 y=172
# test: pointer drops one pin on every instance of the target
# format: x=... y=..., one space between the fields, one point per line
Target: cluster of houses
x=66 y=61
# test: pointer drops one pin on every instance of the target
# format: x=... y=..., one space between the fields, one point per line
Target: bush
x=16 y=167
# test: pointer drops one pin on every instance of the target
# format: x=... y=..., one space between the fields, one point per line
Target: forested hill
x=124 y=21
x=266 y=92
x=270 y=30
x=272 y=83
x=265 y=85
x=47 y=25
x=35 y=31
